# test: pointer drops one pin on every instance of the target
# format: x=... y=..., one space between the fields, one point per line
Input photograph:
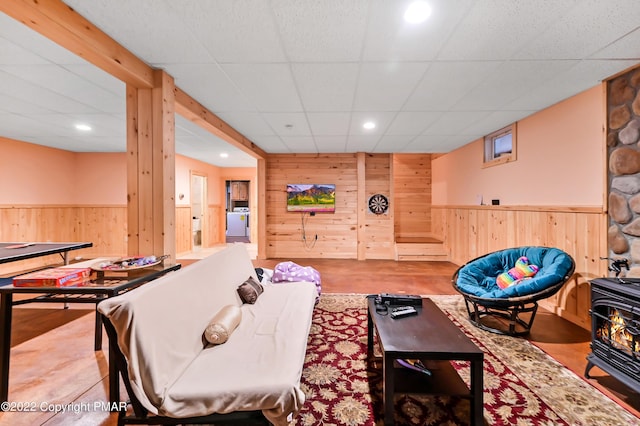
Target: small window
x=500 y=146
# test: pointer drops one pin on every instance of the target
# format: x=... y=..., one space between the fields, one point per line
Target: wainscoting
x=471 y=231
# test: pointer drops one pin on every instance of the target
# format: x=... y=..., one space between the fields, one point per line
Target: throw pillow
x=519 y=272
x=222 y=324
x=250 y=290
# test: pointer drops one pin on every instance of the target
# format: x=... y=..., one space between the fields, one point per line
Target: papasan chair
x=500 y=310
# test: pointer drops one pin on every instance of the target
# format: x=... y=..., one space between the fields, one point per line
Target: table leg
x=369 y=334
x=114 y=377
x=97 y=341
x=388 y=387
x=477 y=393
x=6 y=306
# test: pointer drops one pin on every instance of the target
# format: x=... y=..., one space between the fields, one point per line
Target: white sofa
x=174 y=374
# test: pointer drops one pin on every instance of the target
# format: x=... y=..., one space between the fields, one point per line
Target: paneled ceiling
x=303 y=76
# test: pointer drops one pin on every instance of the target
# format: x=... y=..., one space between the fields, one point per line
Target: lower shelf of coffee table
x=444 y=380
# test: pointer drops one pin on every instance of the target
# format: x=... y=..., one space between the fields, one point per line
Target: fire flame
x=618 y=334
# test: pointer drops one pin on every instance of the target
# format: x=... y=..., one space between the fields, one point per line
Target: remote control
x=403 y=313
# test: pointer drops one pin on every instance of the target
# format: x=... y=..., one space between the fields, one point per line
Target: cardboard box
x=53 y=277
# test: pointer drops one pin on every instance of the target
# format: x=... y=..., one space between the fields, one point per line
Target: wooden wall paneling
x=580 y=232
x=184 y=230
x=104 y=226
x=215 y=234
x=412 y=195
x=378 y=238
x=337 y=232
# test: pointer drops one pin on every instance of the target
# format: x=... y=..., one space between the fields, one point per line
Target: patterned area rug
x=523 y=385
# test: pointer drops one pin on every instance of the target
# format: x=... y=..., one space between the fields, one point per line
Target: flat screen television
x=311 y=198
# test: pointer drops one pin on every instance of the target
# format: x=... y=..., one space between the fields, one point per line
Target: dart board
x=378 y=204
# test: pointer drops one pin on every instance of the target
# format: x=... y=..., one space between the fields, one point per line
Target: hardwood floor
x=53 y=362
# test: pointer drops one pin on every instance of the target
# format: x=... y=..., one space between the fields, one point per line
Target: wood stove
x=615 y=329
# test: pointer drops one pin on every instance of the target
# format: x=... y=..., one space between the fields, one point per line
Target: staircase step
x=421 y=249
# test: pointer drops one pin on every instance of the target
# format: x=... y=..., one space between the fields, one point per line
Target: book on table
x=53 y=277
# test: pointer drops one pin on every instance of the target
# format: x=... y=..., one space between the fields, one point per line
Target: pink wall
x=560 y=161
x=36 y=175
x=101 y=178
x=184 y=167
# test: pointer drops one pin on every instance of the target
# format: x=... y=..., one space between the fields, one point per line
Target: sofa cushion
x=259 y=367
x=250 y=290
x=223 y=323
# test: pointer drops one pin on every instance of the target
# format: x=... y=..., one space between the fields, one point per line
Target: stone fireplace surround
x=623 y=149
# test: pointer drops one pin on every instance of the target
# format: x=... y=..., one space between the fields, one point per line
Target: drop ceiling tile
x=445 y=83
x=271 y=144
x=210 y=86
x=362 y=143
x=321 y=31
x=436 y=144
x=59 y=80
x=99 y=78
x=386 y=86
x=455 y=122
x=331 y=143
x=38 y=95
x=329 y=124
x=250 y=124
x=496 y=29
x=12 y=54
x=23 y=36
x=412 y=123
x=279 y=122
x=390 y=38
x=239 y=31
x=147 y=28
x=269 y=87
x=492 y=122
x=381 y=119
x=584 y=30
x=326 y=87
x=195 y=142
x=582 y=76
x=304 y=144
x=510 y=81
x=393 y=143
x=10 y=104
x=623 y=48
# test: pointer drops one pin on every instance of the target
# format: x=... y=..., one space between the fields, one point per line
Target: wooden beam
x=64 y=26
x=262 y=209
x=192 y=110
x=151 y=168
x=361 y=171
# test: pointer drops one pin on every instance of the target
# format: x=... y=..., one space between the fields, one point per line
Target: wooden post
x=361 y=214
x=151 y=168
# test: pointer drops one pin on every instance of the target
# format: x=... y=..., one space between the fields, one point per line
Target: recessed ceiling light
x=83 y=127
x=369 y=125
x=224 y=155
x=417 y=12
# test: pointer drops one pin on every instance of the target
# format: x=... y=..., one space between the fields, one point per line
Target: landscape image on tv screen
x=311 y=197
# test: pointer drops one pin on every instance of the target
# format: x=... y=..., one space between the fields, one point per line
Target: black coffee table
x=432 y=338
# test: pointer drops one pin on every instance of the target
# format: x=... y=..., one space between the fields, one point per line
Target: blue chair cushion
x=478 y=277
